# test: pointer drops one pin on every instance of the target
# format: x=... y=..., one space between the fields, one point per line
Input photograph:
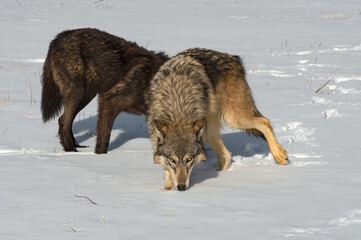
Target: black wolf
x=82 y=63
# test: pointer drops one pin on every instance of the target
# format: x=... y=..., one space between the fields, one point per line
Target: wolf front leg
x=168 y=180
x=213 y=138
x=107 y=112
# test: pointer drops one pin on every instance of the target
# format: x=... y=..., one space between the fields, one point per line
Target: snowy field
x=290 y=50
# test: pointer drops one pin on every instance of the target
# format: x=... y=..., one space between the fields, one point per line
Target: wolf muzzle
x=181 y=187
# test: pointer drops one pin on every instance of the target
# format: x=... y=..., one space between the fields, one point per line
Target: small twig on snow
x=86 y=198
x=31 y=93
x=323 y=85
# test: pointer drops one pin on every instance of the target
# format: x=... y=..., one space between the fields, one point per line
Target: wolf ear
x=162 y=128
x=198 y=127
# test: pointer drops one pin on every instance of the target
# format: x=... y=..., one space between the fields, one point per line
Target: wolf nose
x=181 y=187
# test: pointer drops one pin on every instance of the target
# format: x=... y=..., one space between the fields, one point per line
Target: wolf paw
x=80 y=146
x=168 y=187
x=224 y=166
x=101 y=150
x=70 y=149
x=281 y=157
x=224 y=162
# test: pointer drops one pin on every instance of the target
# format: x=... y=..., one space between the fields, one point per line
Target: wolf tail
x=253 y=131
x=51 y=100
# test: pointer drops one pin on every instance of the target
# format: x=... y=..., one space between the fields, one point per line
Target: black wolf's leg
x=87 y=97
x=72 y=99
x=107 y=114
x=65 y=133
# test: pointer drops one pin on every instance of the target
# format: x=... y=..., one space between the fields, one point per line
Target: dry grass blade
x=323 y=85
x=30 y=92
x=86 y=198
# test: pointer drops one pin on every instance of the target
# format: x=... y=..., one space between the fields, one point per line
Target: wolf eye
x=171 y=160
x=189 y=160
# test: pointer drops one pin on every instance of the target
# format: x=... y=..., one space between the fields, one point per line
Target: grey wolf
x=82 y=63
x=190 y=97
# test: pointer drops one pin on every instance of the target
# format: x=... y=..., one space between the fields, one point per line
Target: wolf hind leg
x=240 y=111
x=247 y=121
x=66 y=122
x=263 y=125
x=87 y=97
x=213 y=138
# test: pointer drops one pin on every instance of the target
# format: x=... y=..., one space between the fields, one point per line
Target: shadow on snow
x=131 y=126
x=134 y=126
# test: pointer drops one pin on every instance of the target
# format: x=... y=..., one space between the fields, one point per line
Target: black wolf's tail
x=51 y=100
x=253 y=131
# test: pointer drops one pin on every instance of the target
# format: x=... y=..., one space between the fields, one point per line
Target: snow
x=290 y=49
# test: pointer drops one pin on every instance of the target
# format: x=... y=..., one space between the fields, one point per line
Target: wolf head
x=179 y=149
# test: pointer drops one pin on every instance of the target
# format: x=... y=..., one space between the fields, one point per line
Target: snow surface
x=290 y=49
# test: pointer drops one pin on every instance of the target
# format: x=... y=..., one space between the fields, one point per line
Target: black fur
x=82 y=63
